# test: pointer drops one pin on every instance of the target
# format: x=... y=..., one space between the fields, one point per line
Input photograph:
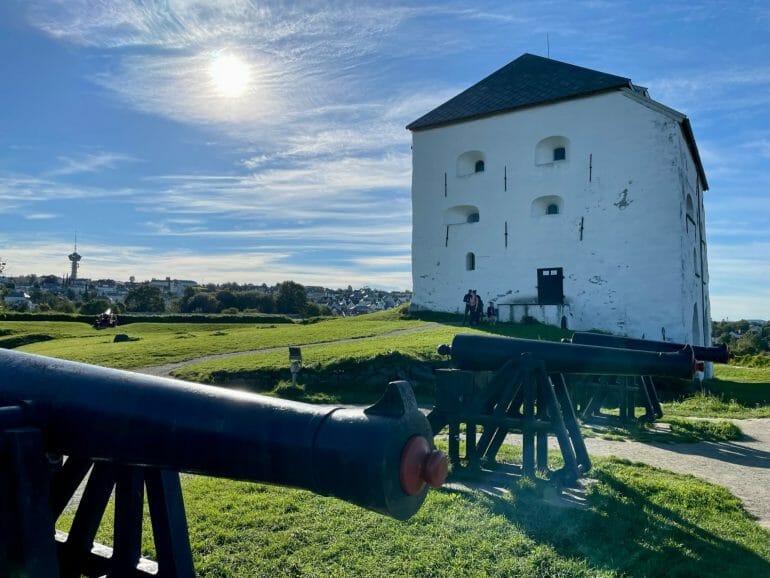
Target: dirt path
x=167 y=369
x=741 y=466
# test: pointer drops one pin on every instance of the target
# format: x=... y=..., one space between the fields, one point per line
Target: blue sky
x=263 y=141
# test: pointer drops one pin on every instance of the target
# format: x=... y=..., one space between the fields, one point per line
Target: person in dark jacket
x=467 y=301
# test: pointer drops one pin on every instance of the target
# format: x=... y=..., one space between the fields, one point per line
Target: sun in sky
x=229 y=74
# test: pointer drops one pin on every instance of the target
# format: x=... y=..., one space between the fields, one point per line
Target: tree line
x=290 y=298
x=742 y=337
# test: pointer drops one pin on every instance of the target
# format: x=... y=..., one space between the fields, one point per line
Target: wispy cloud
x=89 y=163
x=21 y=190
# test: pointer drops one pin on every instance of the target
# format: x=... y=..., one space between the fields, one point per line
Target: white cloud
x=20 y=190
x=89 y=163
x=145 y=262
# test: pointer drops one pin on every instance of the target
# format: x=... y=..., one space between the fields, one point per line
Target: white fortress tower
x=74 y=258
x=566 y=195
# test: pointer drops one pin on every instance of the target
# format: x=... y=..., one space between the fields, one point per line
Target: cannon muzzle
x=381 y=458
x=719 y=354
x=490 y=353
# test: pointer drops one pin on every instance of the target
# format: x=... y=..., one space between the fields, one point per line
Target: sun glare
x=229 y=75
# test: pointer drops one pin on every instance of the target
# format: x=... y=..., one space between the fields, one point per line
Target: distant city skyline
x=236 y=141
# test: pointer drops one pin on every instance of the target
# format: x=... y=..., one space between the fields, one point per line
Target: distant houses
x=173 y=287
x=19 y=300
x=349 y=302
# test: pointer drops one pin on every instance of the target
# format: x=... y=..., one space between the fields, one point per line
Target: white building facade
x=566 y=195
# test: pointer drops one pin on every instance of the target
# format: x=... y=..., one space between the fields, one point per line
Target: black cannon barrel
x=379 y=457
x=719 y=354
x=484 y=352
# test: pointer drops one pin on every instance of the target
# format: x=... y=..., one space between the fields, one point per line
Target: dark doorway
x=550 y=286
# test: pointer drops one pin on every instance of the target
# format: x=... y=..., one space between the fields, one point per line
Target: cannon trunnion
x=135 y=431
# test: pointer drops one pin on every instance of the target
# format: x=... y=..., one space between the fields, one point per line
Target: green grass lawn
x=420 y=345
x=637 y=521
x=159 y=343
x=735 y=392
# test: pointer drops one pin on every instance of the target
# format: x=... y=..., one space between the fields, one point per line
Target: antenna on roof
x=548 y=45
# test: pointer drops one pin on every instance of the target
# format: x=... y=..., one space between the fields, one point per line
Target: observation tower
x=74 y=258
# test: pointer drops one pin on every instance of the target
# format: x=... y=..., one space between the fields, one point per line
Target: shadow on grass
x=636 y=521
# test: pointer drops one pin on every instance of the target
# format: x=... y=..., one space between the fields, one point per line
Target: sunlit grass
x=159 y=343
x=637 y=521
x=668 y=430
x=735 y=392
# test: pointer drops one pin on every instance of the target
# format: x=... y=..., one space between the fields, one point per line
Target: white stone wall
x=626 y=177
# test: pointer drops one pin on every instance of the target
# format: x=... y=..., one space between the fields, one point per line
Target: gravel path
x=741 y=466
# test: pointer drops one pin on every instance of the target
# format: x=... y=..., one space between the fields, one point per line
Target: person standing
x=473 y=306
x=467 y=301
x=491 y=313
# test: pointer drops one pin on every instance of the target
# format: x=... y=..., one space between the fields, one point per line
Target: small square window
x=559 y=154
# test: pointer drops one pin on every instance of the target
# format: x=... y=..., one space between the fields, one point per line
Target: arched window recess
x=548 y=205
x=470 y=163
x=470 y=262
x=553 y=149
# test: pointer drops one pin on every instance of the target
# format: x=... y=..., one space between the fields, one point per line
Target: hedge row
x=128 y=318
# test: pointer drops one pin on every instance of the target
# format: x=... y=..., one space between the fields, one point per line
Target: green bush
x=757 y=360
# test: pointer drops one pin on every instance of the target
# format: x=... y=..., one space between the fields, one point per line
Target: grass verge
x=735 y=392
x=668 y=430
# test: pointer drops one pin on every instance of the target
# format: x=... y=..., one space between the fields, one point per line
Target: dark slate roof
x=529 y=80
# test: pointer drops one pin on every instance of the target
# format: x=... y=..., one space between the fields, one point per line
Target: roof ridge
x=528 y=80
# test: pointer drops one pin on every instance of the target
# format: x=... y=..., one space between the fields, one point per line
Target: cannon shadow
x=613 y=527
